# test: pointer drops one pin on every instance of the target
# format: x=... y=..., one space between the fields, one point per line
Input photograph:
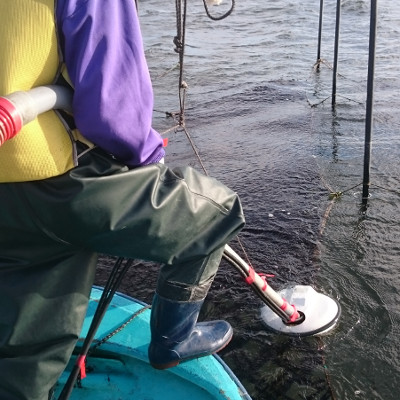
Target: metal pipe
x=321 y=8
x=370 y=98
x=336 y=52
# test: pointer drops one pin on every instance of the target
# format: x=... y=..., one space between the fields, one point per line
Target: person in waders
x=73 y=188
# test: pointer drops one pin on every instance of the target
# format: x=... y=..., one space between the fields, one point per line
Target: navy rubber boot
x=176 y=336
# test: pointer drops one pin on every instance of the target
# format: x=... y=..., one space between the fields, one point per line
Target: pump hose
x=19 y=108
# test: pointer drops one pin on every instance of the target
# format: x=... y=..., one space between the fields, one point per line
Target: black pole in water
x=321 y=9
x=370 y=97
x=335 y=61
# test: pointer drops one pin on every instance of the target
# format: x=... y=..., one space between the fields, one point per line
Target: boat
x=117 y=366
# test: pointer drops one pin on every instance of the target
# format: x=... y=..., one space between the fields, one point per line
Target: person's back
x=30 y=58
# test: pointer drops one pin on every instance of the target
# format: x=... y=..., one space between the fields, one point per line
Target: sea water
x=260 y=115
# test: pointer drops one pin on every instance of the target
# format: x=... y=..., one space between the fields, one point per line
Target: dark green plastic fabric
x=51 y=232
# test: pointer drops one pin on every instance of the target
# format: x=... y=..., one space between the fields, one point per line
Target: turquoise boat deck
x=119 y=368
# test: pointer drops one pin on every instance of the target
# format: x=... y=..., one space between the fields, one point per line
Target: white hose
x=41 y=99
x=19 y=108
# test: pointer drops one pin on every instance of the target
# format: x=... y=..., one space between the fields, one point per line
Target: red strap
x=264 y=278
x=165 y=142
x=251 y=278
x=80 y=362
x=295 y=314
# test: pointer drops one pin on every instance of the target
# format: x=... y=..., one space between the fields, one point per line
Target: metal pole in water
x=370 y=97
x=321 y=8
x=335 y=61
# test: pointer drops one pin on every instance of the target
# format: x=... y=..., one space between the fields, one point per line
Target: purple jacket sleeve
x=113 y=101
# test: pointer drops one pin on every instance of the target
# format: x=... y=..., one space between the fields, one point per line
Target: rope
x=111 y=286
x=179 y=41
x=229 y=12
x=119 y=329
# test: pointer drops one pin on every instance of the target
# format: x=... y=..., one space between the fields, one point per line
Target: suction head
x=320 y=313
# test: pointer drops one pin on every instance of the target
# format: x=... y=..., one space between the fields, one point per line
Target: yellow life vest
x=29 y=57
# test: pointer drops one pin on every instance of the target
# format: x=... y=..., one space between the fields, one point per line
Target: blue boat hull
x=119 y=367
